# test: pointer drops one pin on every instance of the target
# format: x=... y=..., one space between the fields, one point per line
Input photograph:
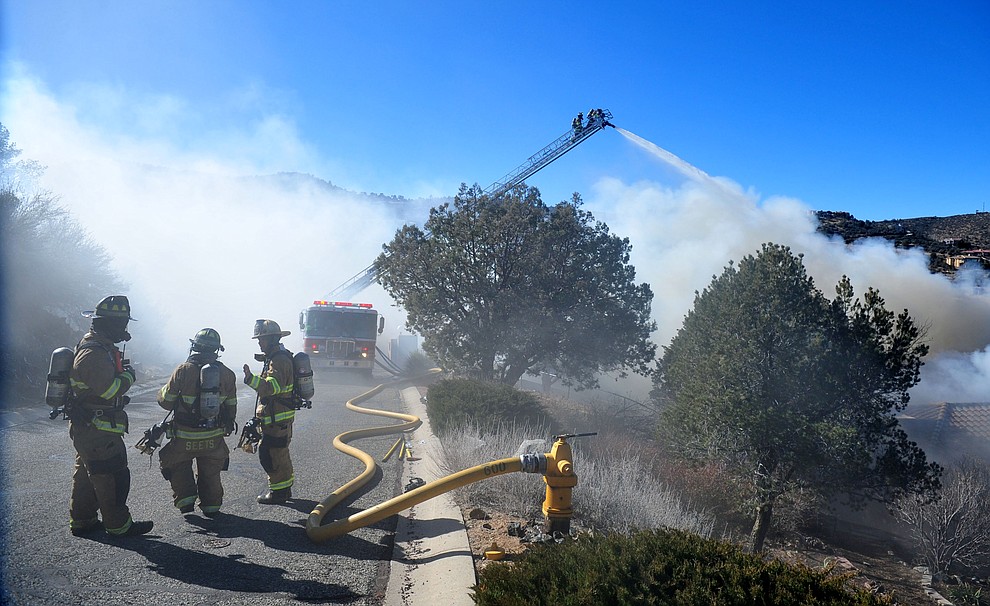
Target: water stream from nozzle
x=688 y=170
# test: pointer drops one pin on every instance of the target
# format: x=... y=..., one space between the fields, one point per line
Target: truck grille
x=340 y=349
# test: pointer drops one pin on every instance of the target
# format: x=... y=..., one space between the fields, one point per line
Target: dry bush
x=953 y=532
x=616 y=490
x=468 y=445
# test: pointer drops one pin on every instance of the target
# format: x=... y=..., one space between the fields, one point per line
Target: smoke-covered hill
x=940 y=237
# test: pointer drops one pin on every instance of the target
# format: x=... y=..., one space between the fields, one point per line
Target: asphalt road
x=251 y=554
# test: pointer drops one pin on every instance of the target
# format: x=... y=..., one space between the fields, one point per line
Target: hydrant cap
x=494 y=552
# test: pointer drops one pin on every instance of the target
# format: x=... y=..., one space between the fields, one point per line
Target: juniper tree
x=793 y=391
x=502 y=287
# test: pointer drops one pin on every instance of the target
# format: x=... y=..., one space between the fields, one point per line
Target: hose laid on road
x=413 y=497
x=314 y=530
x=319 y=533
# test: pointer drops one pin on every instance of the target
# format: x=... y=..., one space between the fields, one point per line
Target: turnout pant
x=211 y=456
x=101 y=480
x=274 y=454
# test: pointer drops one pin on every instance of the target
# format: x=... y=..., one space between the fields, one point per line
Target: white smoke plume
x=201 y=240
x=205 y=242
x=683 y=235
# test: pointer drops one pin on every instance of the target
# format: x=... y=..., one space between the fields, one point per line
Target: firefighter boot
x=139 y=528
x=274 y=497
x=81 y=529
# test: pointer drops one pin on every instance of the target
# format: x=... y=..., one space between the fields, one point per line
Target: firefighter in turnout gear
x=275 y=409
x=99 y=378
x=202 y=394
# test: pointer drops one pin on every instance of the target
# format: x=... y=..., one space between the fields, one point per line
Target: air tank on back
x=57 y=390
x=209 y=391
x=303 y=379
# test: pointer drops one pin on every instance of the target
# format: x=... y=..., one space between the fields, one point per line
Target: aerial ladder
x=354 y=285
x=597 y=120
x=582 y=127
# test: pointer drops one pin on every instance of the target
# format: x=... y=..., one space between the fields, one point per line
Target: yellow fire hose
x=532 y=463
x=314 y=530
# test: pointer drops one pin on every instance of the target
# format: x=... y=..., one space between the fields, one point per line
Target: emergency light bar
x=343 y=304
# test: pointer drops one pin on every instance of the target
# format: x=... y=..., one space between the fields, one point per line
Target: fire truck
x=341 y=335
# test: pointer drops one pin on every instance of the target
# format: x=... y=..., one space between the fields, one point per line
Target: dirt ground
x=881 y=572
x=483 y=532
x=878 y=572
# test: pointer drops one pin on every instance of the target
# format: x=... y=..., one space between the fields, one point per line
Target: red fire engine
x=341 y=335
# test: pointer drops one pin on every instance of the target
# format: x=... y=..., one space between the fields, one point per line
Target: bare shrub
x=615 y=491
x=953 y=531
x=468 y=445
x=797 y=511
x=618 y=493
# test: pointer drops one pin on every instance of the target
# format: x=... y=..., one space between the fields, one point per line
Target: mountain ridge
x=942 y=238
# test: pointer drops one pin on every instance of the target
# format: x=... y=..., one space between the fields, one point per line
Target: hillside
x=940 y=237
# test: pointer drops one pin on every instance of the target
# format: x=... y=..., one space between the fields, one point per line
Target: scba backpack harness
x=302 y=378
x=58 y=391
x=204 y=411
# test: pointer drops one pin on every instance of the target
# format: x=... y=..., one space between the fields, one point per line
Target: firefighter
x=205 y=409
x=275 y=409
x=99 y=378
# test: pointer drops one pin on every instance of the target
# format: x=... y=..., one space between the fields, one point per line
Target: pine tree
x=793 y=391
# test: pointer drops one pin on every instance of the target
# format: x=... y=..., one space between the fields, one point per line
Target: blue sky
x=148 y=114
x=881 y=109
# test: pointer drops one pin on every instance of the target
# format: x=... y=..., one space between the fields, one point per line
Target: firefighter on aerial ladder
x=578 y=124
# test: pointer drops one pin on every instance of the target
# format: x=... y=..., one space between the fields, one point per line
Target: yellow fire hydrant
x=560 y=479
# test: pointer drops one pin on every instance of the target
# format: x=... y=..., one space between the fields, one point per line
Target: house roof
x=945 y=422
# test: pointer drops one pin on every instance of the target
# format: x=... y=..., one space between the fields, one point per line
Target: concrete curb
x=432 y=562
x=926 y=583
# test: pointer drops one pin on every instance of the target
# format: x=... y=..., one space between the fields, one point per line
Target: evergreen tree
x=52 y=269
x=793 y=391
x=499 y=288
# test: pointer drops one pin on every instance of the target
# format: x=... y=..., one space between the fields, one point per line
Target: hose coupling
x=534 y=462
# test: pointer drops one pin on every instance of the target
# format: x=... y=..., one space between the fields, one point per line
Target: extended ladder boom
x=355 y=284
x=597 y=120
x=581 y=129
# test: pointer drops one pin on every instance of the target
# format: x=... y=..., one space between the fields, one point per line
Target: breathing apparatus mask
x=114 y=329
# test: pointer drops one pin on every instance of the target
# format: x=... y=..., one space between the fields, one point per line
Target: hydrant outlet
x=534 y=463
